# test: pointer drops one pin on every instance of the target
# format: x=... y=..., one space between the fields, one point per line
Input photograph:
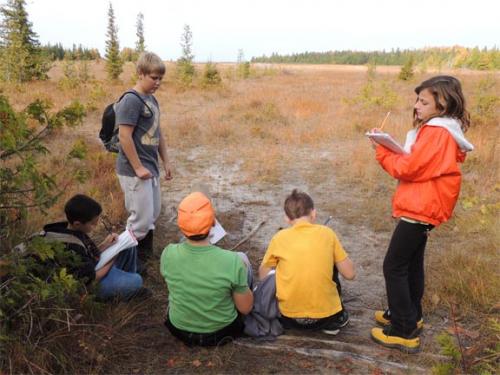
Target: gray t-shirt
x=146 y=136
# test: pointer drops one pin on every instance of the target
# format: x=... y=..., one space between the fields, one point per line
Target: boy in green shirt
x=207 y=285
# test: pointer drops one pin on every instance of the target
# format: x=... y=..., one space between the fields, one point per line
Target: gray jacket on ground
x=263 y=320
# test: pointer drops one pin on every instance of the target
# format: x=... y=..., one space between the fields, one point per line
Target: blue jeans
x=122 y=279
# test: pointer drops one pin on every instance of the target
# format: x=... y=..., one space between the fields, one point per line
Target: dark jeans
x=330 y=322
x=220 y=337
x=404 y=275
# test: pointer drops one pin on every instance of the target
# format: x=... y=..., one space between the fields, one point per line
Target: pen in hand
x=106 y=225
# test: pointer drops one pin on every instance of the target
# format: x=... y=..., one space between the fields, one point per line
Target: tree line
x=23 y=58
x=451 y=57
x=58 y=52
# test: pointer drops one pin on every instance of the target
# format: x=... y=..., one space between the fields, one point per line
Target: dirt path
x=242 y=206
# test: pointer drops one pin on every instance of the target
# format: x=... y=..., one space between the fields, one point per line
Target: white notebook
x=216 y=233
x=124 y=241
x=387 y=141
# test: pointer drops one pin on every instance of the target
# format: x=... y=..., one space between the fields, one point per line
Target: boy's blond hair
x=150 y=62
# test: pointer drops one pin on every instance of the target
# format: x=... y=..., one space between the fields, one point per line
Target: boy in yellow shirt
x=304 y=257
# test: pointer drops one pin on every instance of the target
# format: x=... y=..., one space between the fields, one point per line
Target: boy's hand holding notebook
x=124 y=241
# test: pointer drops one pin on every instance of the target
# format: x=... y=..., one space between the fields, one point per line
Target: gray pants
x=143 y=203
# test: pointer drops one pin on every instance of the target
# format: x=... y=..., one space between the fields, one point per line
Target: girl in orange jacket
x=429 y=184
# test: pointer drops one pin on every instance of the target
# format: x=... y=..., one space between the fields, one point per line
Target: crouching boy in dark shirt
x=119 y=277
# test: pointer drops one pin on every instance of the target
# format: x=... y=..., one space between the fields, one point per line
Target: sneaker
x=383 y=318
x=390 y=338
x=337 y=322
x=332 y=332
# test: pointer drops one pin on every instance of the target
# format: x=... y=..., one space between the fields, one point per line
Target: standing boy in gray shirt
x=141 y=142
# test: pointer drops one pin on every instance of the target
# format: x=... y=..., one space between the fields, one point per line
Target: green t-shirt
x=200 y=282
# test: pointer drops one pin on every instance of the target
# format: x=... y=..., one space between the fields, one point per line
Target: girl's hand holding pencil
x=378 y=137
x=378 y=130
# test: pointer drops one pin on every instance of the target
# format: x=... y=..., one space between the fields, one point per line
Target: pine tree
x=406 y=73
x=243 y=66
x=211 y=76
x=140 y=44
x=114 y=64
x=185 y=67
x=21 y=57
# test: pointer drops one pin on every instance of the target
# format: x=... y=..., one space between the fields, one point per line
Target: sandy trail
x=240 y=207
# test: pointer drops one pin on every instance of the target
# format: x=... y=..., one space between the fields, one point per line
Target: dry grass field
x=250 y=142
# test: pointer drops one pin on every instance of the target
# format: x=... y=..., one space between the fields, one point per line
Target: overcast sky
x=222 y=27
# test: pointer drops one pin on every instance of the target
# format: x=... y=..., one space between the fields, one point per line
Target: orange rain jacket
x=429 y=177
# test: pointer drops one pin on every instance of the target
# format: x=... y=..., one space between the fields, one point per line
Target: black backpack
x=109 y=128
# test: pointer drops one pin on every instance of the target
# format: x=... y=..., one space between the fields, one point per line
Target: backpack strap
x=141 y=99
x=64 y=237
x=22 y=248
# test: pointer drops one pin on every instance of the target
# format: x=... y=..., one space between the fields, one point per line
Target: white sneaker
x=332 y=332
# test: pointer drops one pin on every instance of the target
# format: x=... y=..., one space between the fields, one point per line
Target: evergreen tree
x=185 y=68
x=23 y=183
x=140 y=44
x=211 y=76
x=114 y=64
x=21 y=58
x=406 y=73
x=243 y=66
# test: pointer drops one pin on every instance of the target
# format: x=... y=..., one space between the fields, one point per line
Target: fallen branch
x=174 y=216
x=254 y=230
x=336 y=355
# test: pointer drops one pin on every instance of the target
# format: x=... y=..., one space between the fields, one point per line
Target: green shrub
x=96 y=96
x=211 y=76
x=486 y=103
x=70 y=79
x=84 y=74
x=375 y=94
x=244 y=70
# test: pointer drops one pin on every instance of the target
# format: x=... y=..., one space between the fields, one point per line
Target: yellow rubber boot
x=380 y=318
x=383 y=336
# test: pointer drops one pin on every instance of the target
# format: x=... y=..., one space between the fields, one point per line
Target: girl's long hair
x=450 y=101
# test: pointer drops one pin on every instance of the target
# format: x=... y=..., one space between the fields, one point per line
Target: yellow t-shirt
x=304 y=256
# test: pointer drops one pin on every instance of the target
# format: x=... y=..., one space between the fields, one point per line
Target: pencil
x=385 y=119
x=106 y=225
